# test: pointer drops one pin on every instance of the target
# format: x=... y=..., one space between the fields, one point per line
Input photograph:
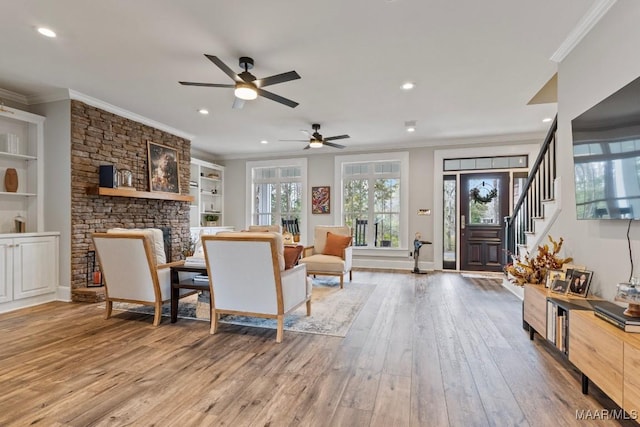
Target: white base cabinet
x=28 y=269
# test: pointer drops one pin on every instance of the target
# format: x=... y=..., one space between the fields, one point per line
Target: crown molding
x=53 y=96
x=588 y=21
x=13 y=96
x=66 y=94
x=127 y=114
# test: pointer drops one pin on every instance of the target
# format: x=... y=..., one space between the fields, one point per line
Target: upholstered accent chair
x=131 y=270
x=247 y=277
x=324 y=258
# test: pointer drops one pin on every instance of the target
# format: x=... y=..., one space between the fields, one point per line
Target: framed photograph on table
x=163 y=168
x=553 y=275
x=579 y=282
x=559 y=286
x=321 y=200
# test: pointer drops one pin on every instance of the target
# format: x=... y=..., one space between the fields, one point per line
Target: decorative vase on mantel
x=11 y=180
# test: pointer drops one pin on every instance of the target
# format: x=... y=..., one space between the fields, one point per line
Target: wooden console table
x=603 y=353
x=608 y=356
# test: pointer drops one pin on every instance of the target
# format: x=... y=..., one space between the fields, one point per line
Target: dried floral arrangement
x=534 y=270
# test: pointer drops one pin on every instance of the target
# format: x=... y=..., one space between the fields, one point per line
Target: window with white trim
x=373 y=199
x=277 y=191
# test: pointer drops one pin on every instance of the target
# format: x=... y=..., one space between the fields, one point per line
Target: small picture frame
x=163 y=168
x=579 y=282
x=570 y=267
x=321 y=200
x=559 y=286
x=554 y=275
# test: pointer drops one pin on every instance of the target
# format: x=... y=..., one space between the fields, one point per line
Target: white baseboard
x=6 y=307
x=390 y=264
x=63 y=294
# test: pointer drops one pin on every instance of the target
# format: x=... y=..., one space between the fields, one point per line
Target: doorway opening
x=475 y=203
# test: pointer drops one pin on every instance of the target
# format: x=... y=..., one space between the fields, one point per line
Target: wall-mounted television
x=606 y=156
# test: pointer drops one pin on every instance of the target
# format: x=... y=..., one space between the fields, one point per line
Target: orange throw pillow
x=292 y=256
x=336 y=243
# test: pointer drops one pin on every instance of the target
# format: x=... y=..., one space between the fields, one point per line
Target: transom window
x=484 y=163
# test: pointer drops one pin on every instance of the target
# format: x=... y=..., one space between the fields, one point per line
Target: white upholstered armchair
x=131 y=270
x=331 y=252
x=247 y=277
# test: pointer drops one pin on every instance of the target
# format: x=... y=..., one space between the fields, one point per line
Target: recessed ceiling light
x=408 y=86
x=203 y=111
x=46 y=32
x=546 y=120
x=264 y=141
x=410 y=125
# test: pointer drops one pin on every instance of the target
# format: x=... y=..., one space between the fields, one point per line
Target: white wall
x=605 y=60
x=57 y=182
x=422 y=173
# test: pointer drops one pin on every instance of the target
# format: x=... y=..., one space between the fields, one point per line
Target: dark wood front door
x=484 y=202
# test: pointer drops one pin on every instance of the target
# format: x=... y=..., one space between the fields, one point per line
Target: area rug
x=333 y=310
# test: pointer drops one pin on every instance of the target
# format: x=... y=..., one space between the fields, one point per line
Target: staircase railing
x=538 y=188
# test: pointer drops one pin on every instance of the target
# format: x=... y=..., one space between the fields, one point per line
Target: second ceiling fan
x=317 y=141
x=246 y=86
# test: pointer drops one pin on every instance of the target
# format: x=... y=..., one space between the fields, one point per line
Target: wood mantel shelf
x=118 y=192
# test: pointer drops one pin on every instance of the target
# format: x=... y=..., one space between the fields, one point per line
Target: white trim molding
x=588 y=21
x=65 y=94
x=300 y=162
x=438 y=172
x=128 y=114
x=403 y=157
x=13 y=96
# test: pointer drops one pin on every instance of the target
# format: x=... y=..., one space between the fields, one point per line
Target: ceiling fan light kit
x=317 y=141
x=245 y=91
x=247 y=87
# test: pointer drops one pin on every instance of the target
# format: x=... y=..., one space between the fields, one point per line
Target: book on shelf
x=614 y=314
x=201 y=278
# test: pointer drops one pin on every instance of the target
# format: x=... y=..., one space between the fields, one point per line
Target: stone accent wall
x=100 y=138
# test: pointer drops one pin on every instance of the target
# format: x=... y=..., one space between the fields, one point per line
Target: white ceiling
x=476 y=64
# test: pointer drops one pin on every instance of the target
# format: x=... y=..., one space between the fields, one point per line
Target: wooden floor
x=426 y=350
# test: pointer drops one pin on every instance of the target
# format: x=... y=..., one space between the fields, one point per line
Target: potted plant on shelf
x=211 y=220
x=188 y=248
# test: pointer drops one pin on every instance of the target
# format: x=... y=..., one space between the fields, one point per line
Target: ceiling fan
x=246 y=86
x=317 y=141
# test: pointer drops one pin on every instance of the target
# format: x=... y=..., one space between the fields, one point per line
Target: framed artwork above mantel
x=163 y=168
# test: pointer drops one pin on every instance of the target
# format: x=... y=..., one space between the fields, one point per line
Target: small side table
x=177 y=284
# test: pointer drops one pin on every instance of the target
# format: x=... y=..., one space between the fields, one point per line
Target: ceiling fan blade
x=238 y=103
x=278 y=78
x=277 y=98
x=307 y=147
x=228 y=71
x=333 y=138
x=205 y=84
x=331 y=144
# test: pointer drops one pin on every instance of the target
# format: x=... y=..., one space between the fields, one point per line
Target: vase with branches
x=534 y=269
